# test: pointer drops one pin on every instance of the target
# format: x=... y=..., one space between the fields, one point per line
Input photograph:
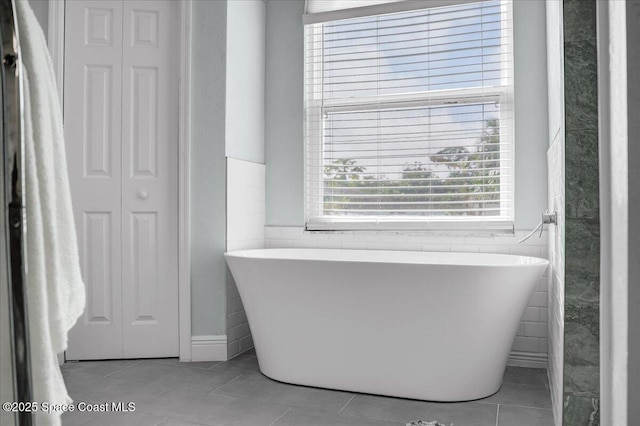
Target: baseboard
x=209 y=348
x=527 y=359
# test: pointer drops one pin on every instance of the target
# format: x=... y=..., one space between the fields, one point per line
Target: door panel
x=121 y=114
x=98 y=267
x=92 y=96
x=149 y=187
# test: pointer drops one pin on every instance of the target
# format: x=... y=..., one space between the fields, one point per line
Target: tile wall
x=245 y=230
x=530 y=346
x=555 y=158
x=582 y=223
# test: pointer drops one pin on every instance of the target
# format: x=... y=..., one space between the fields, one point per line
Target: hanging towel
x=55 y=291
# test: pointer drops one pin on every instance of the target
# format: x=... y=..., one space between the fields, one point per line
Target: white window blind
x=321 y=6
x=409 y=119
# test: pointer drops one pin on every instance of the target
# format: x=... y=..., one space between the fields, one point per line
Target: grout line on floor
x=226 y=383
x=180 y=420
x=279 y=417
x=214 y=365
x=527 y=385
x=528 y=406
x=345 y=405
x=181 y=364
x=513 y=405
x=474 y=401
x=124 y=368
x=224 y=396
x=161 y=421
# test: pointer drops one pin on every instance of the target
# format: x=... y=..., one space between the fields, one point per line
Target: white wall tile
x=555 y=280
x=245 y=230
x=526 y=344
x=531 y=314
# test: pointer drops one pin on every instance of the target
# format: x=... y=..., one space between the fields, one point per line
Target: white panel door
x=150 y=178
x=93 y=86
x=120 y=110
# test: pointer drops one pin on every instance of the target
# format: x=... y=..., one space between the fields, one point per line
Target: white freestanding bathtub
x=431 y=326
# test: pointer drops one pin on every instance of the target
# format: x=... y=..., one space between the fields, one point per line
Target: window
x=409 y=119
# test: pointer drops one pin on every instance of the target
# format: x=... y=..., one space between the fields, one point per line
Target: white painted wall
x=208 y=215
x=284 y=113
x=284 y=100
x=228 y=69
x=244 y=139
x=531 y=116
x=245 y=80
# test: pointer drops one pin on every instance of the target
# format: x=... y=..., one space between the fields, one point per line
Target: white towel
x=56 y=294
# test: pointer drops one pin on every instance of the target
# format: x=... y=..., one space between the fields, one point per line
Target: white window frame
x=317 y=107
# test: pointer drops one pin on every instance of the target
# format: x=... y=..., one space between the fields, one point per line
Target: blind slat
x=411 y=55
x=454 y=179
x=400 y=211
x=344 y=190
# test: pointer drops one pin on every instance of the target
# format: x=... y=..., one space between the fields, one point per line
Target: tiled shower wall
x=555 y=191
x=555 y=158
x=574 y=245
x=245 y=230
x=582 y=221
x=530 y=346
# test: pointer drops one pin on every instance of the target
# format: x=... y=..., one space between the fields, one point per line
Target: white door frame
x=618 y=89
x=56 y=47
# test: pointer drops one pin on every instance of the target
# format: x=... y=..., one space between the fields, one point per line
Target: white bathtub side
x=530 y=345
x=439 y=333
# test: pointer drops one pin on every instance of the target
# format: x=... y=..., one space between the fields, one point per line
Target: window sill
x=421 y=227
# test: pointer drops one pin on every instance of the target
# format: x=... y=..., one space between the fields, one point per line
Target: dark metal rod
x=13 y=169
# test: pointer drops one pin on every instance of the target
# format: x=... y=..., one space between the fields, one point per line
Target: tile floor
x=169 y=393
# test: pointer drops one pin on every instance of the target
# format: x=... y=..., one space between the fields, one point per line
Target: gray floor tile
x=77 y=418
x=216 y=410
x=176 y=362
x=518 y=416
x=170 y=393
x=526 y=376
x=178 y=378
x=177 y=422
x=257 y=387
x=98 y=368
x=241 y=362
x=308 y=417
x=84 y=387
x=405 y=410
x=521 y=396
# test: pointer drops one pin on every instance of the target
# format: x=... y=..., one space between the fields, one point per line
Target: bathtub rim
x=390 y=257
